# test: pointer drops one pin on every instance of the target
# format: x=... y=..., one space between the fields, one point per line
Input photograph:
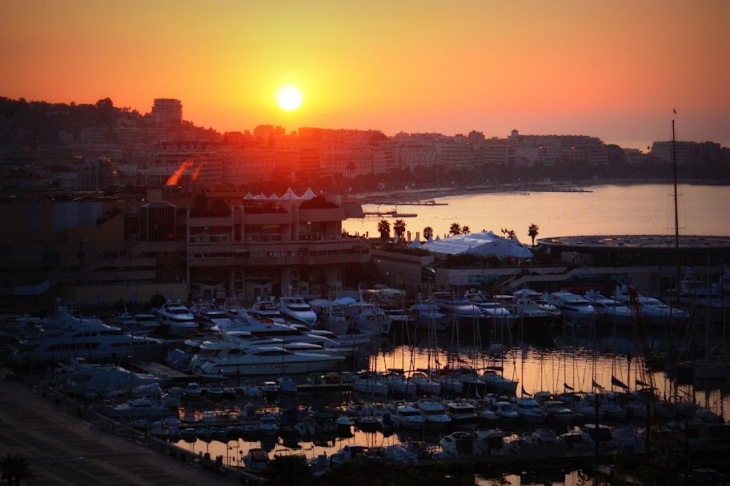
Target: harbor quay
x=66 y=444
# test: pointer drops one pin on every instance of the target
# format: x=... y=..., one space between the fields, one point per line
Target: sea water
x=600 y=210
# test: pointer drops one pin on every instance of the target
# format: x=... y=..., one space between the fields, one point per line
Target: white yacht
x=235 y=361
x=434 y=412
x=92 y=340
x=369 y=383
x=654 y=311
x=463 y=414
x=577 y=311
x=138 y=408
x=498 y=312
x=177 y=318
x=294 y=308
x=610 y=311
x=458 y=307
x=368 y=317
x=264 y=309
x=147 y=320
x=333 y=318
x=498 y=383
x=427 y=315
x=408 y=417
x=102 y=380
x=529 y=411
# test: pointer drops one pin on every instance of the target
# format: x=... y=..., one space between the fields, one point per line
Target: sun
x=289 y=98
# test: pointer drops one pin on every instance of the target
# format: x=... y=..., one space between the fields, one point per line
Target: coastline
x=426 y=194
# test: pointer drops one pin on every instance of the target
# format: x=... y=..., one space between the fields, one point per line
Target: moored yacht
x=294 y=308
x=577 y=311
x=235 y=361
x=176 y=318
x=434 y=412
x=427 y=315
x=463 y=414
x=408 y=417
x=368 y=317
x=266 y=309
x=654 y=311
x=610 y=311
x=495 y=310
x=92 y=340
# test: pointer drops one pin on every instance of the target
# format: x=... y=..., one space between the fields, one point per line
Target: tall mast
x=676 y=211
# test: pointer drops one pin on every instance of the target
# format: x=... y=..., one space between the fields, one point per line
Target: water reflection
x=573 y=361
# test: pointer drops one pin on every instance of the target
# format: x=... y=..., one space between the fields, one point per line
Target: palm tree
x=399 y=227
x=384 y=229
x=465 y=230
x=455 y=229
x=511 y=234
x=14 y=466
x=427 y=232
x=532 y=232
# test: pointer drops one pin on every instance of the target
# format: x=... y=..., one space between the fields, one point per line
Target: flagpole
x=676 y=213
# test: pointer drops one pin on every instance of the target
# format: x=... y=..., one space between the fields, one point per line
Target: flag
x=565 y=385
x=674 y=110
x=641 y=383
x=596 y=385
x=616 y=382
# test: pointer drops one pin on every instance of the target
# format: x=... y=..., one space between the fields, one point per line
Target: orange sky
x=610 y=68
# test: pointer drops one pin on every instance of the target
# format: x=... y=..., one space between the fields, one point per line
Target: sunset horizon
x=613 y=71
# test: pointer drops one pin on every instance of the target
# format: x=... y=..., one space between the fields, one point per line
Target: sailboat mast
x=676 y=213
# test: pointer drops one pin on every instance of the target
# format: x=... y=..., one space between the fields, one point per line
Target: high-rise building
x=166 y=111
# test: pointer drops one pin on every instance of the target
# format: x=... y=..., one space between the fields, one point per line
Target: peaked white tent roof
x=289 y=195
x=309 y=194
x=415 y=244
x=249 y=196
x=486 y=243
x=273 y=197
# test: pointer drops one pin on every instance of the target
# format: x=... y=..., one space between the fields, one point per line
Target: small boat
x=256 y=459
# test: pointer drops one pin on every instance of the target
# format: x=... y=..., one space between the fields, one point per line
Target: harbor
x=213 y=426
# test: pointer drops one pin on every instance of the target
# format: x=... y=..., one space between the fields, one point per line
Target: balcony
x=210 y=222
x=321 y=215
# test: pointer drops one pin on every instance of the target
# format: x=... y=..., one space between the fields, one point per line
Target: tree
x=14 y=467
x=427 y=232
x=532 y=232
x=288 y=469
x=465 y=230
x=455 y=229
x=511 y=234
x=384 y=229
x=399 y=227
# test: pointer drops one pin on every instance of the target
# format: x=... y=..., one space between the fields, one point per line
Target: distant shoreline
x=425 y=194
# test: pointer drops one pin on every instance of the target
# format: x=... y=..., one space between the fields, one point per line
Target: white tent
x=486 y=243
x=415 y=244
x=289 y=195
x=273 y=197
x=345 y=301
x=309 y=194
x=249 y=196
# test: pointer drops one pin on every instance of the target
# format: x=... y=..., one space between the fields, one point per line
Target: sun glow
x=289 y=98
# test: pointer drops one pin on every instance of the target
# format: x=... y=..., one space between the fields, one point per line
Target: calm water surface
x=609 y=209
x=575 y=360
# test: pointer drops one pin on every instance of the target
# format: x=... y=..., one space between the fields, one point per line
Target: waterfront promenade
x=64 y=449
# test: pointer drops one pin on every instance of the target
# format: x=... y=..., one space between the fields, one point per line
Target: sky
x=614 y=69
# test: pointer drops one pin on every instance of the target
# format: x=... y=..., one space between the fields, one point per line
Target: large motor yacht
x=68 y=337
x=177 y=318
x=577 y=310
x=294 y=308
x=235 y=361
